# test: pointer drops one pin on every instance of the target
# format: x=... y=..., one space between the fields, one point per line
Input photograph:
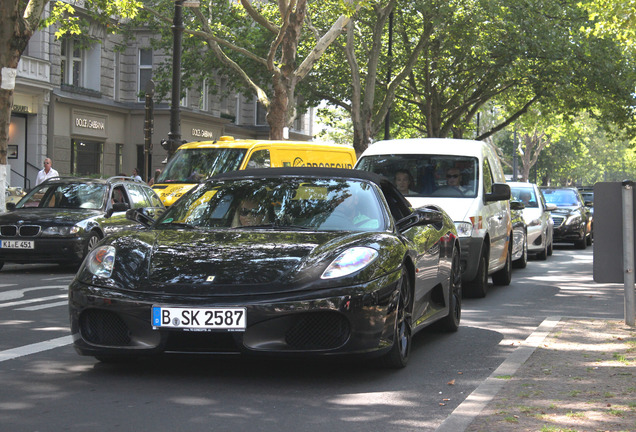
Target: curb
x=472 y=406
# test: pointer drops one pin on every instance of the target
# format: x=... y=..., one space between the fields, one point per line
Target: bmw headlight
x=464 y=229
x=350 y=261
x=61 y=230
x=100 y=261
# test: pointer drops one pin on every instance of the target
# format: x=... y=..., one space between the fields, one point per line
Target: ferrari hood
x=228 y=262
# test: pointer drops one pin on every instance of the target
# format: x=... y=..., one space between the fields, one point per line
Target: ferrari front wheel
x=398 y=357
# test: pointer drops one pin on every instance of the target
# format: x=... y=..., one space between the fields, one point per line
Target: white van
x=466 y=179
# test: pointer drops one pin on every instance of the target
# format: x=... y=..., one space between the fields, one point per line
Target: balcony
x=34 y=69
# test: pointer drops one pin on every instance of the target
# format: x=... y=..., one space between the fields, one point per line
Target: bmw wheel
x=398 y=357
x=92 y=241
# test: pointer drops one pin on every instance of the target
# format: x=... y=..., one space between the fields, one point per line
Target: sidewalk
x=571 y=374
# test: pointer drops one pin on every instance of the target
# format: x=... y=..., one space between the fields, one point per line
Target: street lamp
x=174 y=136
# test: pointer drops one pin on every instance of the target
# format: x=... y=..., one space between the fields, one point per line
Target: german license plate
x=228 y=319
x=17 y=244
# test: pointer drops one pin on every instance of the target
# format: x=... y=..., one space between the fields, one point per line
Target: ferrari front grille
x=318 y=331
x=106 y=328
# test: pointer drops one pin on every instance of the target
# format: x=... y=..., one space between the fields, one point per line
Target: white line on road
x=35 y=348
x=35 y=300
x=45 y=306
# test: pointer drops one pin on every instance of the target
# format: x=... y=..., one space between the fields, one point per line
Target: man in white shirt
x=47 y=172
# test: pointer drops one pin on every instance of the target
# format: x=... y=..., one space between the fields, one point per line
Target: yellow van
x=194 y=162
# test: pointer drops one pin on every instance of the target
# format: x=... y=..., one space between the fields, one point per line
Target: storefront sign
x=89 y=124
x=20 y=109
x=202 y=133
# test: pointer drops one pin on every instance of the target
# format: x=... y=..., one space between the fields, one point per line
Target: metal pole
x=174 y=136
x=628 y=250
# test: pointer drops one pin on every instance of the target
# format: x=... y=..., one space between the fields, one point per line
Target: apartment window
x=203 y=98
x=184 y=99
x=81 y=67
x=145 y=72
x=261 y=114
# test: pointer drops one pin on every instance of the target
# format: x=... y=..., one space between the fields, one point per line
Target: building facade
x=81 y=107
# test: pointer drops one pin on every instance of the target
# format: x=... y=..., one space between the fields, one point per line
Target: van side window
x=487 y=177
x=259 y=159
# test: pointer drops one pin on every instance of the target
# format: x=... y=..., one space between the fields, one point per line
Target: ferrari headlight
x=61 y=230
x=464 y=229
x=350 y=261
x=100 y=261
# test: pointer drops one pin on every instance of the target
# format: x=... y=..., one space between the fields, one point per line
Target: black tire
x=582 y=243
x=550 y=249
x=450 y=323
x=398 y=357
x=478 y=287
x=93 y=239
x=543 y=255
x=504 y=276
x=523 y=261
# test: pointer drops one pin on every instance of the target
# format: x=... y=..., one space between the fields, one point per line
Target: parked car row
x=290 y=261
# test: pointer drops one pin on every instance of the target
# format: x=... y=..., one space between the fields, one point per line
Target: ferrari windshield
x=196 y=165
x=281 y=203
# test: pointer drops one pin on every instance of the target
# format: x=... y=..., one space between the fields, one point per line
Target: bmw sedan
x=62 y=219
x=283 y=261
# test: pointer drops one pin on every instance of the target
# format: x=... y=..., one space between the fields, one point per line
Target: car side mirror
x=10 y=206
x=139 y=215
x=117 y=207
x=500 y=192
x=420 y=216
x=517 y=205
x=589 y=203
x=551 y=207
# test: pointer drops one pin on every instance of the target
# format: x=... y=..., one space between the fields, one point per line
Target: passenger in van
x=453 y=185
x=404 y=182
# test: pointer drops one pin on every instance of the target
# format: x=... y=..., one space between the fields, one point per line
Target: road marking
x=35 y=300
x=46 y=306
x=19 y=293
x=35 y=348
x=470 y=408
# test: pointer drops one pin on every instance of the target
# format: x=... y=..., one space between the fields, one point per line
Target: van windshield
x=196 y=165
x=427 y=175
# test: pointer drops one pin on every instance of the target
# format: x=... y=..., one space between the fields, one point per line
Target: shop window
x=86 y=157
x=145 y=72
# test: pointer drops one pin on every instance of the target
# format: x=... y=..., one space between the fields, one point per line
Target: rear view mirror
x=517 y=205
x=500 y=192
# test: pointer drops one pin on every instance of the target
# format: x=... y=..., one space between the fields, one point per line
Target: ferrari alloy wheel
x=450 y=322
x=398 y=357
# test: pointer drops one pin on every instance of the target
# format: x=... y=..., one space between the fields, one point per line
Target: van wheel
x=479 y=286
x=504 y=276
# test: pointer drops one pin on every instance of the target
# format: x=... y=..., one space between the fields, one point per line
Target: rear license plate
x=228 y=319
x=17 y=244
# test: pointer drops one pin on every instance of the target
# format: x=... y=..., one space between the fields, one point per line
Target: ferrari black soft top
x=392 y=195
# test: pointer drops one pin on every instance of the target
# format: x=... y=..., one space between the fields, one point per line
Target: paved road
x=46 y=386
